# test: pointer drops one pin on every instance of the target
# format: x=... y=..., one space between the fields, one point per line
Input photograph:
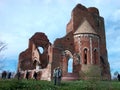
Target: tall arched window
x=70 y=65
x=95 y=56
x=37 y=65
x=85 y=56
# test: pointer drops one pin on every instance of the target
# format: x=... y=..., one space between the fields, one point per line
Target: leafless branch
x=2 y=47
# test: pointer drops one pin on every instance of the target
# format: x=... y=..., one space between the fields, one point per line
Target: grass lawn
x=14 y=84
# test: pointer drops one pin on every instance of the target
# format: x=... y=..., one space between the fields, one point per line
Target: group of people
x=6 y=75
x=57 y=74
x=27 y=75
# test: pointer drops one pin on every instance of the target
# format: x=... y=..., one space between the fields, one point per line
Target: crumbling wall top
x=81 y=7
x=40 y=39
x=93 y=10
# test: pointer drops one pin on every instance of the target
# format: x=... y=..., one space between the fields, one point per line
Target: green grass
x=46 y=85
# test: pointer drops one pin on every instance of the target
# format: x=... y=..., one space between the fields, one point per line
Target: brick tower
x=89 y=40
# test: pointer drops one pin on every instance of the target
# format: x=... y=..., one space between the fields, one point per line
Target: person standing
x=118 y=77
x=59 y=75
x=35 y=75
x=54 y=76
x=9 y=75
x=27 y=75
x=4 y=74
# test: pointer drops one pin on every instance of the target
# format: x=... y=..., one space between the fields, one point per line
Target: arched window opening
x=70 y=65
x=41 y=50
x=95 y=56
x=102 y=60
x=37 y=65
x=85 y=56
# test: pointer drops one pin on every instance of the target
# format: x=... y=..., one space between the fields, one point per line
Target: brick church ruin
x=84 y=45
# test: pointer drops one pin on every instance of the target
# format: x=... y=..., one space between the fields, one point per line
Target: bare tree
x=2 y=47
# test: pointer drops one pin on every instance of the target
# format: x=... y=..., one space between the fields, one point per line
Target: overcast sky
x=20 y=19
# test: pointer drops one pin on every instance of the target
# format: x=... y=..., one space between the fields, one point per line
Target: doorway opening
x=70 y=65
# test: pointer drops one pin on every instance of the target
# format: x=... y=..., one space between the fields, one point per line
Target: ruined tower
x=89 y=38
x=84 y=44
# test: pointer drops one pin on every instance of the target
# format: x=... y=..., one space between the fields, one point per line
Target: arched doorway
x=70 y=69
x=70 y=65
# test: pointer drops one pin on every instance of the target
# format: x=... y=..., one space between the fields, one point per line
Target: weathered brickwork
x=84 y=43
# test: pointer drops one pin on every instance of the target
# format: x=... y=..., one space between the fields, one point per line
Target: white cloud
x=115 y=65
x=115 y=16
x=113 y=41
